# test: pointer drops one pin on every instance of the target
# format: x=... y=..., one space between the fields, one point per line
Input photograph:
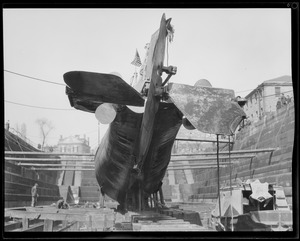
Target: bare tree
x=45 y=126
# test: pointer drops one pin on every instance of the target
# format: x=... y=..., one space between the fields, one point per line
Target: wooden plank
x=52 y=216
x=92 y=155
x=65 y=223
x=10 y=226
x=62 y=169
x=38 y=227
x=202 y=140
x=226 y=152
x=25 y=223
x=56 y=165
x=46 y=159
x=90 y=223
x=190 y=168
x=68 y=226
x=171 y=227
x=197 y=164
x=47 y=153
x=48 y=225
x=196 y=158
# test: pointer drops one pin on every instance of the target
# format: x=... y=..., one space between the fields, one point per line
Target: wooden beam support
x=81 y=217
x=195 y=158
x=25 y=223
x=47 y=153
x=48 y=225
x=38 y=227
x=61 y=169
x=199 y=164
x=202 y=140
x=46 y=159
x=226 y=152
x=91 y=165
x=55 y=165
x=71 y=226
x=162 y=200
x=189 y=168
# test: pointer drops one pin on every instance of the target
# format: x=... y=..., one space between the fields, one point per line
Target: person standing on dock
x=101 y=198
x=34 y=195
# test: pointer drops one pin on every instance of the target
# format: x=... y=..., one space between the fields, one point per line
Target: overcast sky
x=232 y=48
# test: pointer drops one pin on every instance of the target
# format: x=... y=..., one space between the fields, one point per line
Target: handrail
x=91 y=154
x=231 y=152
x=176 y=159
x=193 y=159
x=44 y=159
x=47 y=153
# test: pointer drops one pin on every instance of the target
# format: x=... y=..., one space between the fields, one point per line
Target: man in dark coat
x=34 y=195
x=61 y=204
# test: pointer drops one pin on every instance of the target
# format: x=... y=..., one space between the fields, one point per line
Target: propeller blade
x=208 y=109
x=105 y=88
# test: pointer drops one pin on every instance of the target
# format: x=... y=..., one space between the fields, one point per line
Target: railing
x=87 y=164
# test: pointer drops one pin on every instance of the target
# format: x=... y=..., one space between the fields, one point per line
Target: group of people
x=61 y=203
x=283 y=100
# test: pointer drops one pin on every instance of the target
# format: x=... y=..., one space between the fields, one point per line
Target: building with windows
x=73 y=144
x=264 y=98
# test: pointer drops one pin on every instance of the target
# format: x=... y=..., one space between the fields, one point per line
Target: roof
x=279 y=80
x=72 y=140
x=284 y=80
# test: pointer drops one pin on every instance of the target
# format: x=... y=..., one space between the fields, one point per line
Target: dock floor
x=80 y=218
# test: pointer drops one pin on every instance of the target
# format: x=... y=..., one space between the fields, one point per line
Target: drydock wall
x=18 y=182
x=275 y=130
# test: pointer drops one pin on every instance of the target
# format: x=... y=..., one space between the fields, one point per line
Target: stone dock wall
x=18 y=182
x=275 y=130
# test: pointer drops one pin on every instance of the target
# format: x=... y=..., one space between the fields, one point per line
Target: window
x=277 y=91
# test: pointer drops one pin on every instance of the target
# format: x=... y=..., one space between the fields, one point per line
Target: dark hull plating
x=114 y=162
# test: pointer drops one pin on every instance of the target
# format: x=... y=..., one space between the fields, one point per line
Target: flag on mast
x=137 y=61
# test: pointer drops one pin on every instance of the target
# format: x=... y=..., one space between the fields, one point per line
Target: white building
x=73 y=144
x=263 y=99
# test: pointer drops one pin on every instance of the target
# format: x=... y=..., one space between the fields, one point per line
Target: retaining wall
x=275 y=130
x=18 y=182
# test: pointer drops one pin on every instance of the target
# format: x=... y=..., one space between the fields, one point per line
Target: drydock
x=140 y=179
